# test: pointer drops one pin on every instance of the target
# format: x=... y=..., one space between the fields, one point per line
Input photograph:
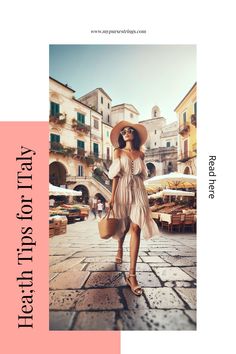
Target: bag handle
x=107 y=215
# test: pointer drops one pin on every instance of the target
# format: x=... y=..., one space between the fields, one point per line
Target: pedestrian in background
x=100 y=208
x=94 y=207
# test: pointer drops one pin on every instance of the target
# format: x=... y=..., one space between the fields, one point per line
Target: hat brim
x=142 y=132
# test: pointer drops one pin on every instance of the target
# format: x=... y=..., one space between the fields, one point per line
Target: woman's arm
x=115 y=180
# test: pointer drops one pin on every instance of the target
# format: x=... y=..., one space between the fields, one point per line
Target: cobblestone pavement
x=88 y=290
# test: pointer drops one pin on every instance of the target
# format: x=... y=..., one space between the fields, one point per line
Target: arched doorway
x=84 y=198
x=99 y=196
x=187 y=171
x=57 y=174
x=151 y=169
x=170 y=167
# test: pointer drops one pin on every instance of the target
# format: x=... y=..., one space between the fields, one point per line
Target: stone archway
x=57 y=174
x=84 y=198
x=99 y=196
x=151 y=169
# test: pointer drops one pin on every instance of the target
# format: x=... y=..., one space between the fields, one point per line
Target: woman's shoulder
x=117 y=153
x=141 y=154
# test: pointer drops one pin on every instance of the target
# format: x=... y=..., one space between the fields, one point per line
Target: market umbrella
x=54 y=190
x=171 y=192
x=172 y=180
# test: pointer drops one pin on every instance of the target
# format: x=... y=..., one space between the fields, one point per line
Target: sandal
x=137 y=290
x=118 y=260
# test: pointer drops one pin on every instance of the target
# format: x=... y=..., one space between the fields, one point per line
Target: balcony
x=80 y=152
x=183 y=157
x=61 y=149
x=80 y=127
x=71 y=179
x=58 y=118
x=184 y=129
x=194 y=120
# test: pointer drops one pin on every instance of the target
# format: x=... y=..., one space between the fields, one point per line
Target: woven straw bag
x=107 y=226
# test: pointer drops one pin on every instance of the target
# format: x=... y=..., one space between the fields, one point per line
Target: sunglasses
x=126 y=130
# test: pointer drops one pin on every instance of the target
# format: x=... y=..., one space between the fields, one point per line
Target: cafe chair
x=189 y=222
x=176 y=222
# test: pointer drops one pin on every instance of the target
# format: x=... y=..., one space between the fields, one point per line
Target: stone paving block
x=62 y=251
x=143 y=267
x=171 y=273
x=152 y=259
x=69 y=280
x=52 y=275
x=190 y=271
x=60 y=320
x=180 y=284
x=181 y=253
x=101 y=267
x=147 y=279
x=188 y=295
x=105 y=279
x=66 y=265
x=107 y=259
x=171 y=320
x=101 y=320
x=180 y=261
x=133 y=301
x=99 y=299
x=192 y=314
x=161 y=264
x=56 y=259
x=63 y=299
x=163 y=298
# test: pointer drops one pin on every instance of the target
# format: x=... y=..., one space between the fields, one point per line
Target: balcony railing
x=78 y=126
x=194 y=120
x=61 y=149
x=184 y=128
x=58 y=118
x=183 y=157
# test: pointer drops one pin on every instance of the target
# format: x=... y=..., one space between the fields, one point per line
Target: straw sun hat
x=142 y=132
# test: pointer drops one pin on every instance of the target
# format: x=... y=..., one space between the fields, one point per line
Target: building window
x=101 y=100
x=155 y=114
x=80 y=144
x=95 y=124
x=102 y=113
x=195 y=108
x=54 y=138
x=54 y=109
x=168 y=144
x=155 y=144
x=108 y=105
x=95 y=149
x=184 y=118
x=108 y=118
x=155 y=131
x=80 y=171
x=131 y=115
x=80 y=118
x=107 y=134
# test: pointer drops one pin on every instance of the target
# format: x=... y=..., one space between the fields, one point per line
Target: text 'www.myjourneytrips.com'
x=118 y=31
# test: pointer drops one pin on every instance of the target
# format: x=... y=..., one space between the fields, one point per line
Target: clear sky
x=142 y=75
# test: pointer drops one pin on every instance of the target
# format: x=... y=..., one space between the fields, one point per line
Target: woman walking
x=129 y=198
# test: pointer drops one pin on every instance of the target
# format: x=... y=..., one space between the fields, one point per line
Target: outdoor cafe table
x=167 y=217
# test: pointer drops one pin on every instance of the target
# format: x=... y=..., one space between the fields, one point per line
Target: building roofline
x=109 y=125
x=64 y=85
x=75 y=99
x=98 y=88
x=126 y=104
x=185 y=96
x=147 y=120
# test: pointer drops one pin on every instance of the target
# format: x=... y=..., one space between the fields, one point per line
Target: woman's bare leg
x=120 y=246
x=134 y=248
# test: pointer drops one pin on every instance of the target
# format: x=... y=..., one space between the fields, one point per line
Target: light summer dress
x=130 y=200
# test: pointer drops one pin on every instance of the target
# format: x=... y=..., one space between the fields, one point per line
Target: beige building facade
x=161 y=146
x=79 y=143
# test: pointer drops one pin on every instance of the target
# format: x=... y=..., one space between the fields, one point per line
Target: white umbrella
x=54 y=190
x=171 y=180
x=170 y=192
